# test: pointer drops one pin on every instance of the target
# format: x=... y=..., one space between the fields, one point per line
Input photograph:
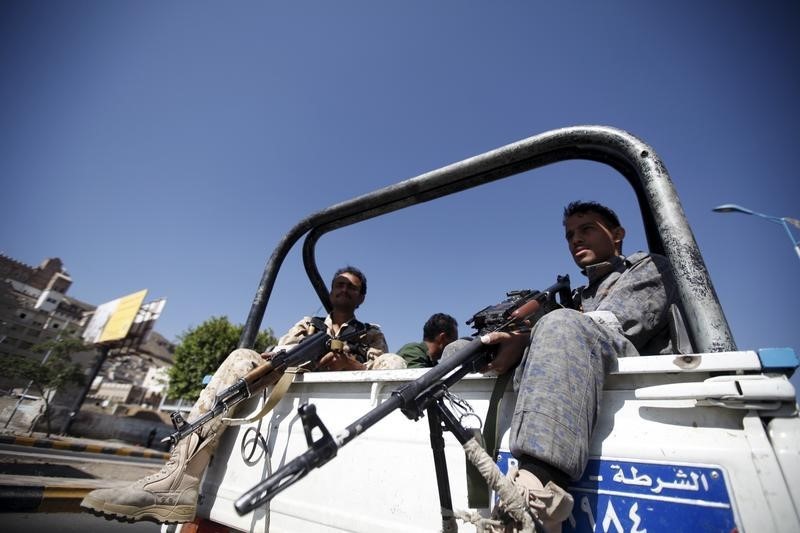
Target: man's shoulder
x=640 y=257
x=413 y=347
x=366 y=325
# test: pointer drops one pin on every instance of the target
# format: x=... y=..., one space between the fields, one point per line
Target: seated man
x=170 y=495
x=439 y=331
x=623 y=311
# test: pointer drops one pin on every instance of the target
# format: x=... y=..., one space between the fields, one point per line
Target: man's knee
x=387 y=361
x=454 y=347
x=560 y=324
x=240 y=362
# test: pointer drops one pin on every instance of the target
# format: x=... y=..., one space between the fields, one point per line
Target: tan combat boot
x=548 y=505
x=168 y=496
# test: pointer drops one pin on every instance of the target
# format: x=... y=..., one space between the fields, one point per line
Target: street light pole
x=783 y=221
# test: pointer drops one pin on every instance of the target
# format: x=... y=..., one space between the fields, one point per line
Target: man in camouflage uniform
x=622 y=312
x=170 y=495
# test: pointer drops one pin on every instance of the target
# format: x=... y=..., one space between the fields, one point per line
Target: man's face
x=590 y=239
x=346 y=292
x=440 y=343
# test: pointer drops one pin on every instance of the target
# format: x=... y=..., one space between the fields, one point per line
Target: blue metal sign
x=638 y=497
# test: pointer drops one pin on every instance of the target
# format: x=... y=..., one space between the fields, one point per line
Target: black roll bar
x=666 y=227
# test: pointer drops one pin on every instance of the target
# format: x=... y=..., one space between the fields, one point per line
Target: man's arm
x=640 y=299
x=415 y=354
x=375 y=341
x=298 y=332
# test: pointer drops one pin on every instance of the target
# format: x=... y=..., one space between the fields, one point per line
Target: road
x=41 y=488
x=70 y=523
x=25 y=461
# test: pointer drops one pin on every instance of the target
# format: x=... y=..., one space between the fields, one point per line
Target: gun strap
x=477 y=489
x=275 y=396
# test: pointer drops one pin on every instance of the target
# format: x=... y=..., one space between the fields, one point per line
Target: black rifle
x=423 y=394
x=309 y=350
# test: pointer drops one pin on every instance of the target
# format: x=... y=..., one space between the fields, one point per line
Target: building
x=34 y=306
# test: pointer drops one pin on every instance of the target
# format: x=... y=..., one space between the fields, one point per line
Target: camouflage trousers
x=234 y=367
x=242 y=361
x=559 y=385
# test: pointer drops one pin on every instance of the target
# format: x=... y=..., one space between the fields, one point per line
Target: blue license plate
x=634 y=496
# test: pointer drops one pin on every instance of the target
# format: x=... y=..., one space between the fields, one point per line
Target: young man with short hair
x=622 y=311
x=439 y=331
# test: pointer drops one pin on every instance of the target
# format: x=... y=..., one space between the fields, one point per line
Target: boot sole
x=126 y=513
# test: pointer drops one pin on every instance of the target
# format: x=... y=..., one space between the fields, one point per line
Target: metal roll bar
x=666 y=227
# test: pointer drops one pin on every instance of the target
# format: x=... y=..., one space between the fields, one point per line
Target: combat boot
x=168 y=496
x=548 y=505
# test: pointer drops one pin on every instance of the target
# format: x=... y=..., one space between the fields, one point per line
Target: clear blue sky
x=169 y=145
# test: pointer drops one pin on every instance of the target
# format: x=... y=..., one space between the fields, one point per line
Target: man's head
x=348 y=288
x=593 y=233
x=439 y=331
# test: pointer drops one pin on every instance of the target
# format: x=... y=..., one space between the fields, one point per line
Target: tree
x=53 y=372
x=202 y=349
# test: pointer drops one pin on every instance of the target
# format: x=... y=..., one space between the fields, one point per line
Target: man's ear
x=618 y=234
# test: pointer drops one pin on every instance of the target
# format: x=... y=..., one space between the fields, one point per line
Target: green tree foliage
x=53 y=372
x=202 y=349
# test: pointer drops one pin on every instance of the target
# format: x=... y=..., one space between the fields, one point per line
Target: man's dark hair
x=438 y=323
x=354 y=271
x=577 y=207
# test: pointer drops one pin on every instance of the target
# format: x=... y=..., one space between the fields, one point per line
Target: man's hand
x=340 y=361
x=509 y=352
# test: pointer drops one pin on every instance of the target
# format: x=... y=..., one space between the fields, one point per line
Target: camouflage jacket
x=632 y=295
x=374 y=343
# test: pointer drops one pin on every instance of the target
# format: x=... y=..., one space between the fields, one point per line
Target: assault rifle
x=309 y=350
x=495 y=317
x=425 y=394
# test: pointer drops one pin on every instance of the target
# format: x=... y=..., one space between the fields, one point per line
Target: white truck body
x=673 y=462
x=701 y=442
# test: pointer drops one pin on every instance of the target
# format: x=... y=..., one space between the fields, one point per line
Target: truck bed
x=671 y=452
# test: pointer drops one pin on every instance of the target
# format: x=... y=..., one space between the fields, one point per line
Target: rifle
x=423 y=394
x=496 y=317
x=308 y=350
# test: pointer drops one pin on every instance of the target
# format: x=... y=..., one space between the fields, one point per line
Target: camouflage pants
x=242 y=361
x=559 y=385
x=235 y=366
x=387 y=361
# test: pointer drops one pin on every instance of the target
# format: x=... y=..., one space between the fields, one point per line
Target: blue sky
x=170 y=145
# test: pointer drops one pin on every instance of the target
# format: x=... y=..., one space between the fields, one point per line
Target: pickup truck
x=707 y=439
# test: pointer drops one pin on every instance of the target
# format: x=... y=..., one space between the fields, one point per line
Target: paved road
x=58 y=467
x=69 y=523
x=51 y=476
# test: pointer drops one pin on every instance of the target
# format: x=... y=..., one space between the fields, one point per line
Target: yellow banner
x=120 y=321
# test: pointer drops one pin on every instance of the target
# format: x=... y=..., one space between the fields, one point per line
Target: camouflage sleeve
x=376 y=342
x=640 y=299
x=297 y=333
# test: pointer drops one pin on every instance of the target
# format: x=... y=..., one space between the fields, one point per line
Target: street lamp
x=783 y=221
